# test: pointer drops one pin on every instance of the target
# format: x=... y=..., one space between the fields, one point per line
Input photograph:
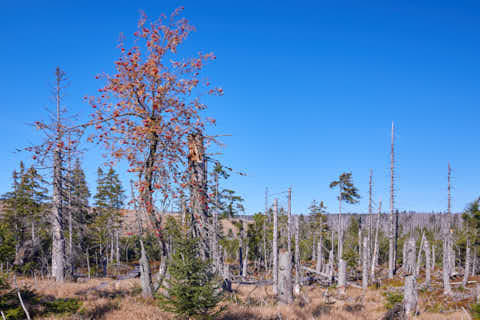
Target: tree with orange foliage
x=148 y=108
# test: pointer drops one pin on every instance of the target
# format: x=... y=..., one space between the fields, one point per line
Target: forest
x=174 y=242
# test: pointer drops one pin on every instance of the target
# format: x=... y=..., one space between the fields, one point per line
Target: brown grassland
x=120 y=299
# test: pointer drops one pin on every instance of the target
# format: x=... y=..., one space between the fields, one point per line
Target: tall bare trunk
x=58 y=243
x=392 y=232
x=275 y=247
x=365 y=264
x=428 y=268
x=410 y=293
x=467 y=264
x=319 y=254
x=419 y=257
x=297 y=258
x=289 y=234
x=375 y=248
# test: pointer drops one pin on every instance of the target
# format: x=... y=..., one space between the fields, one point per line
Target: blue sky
x=311 y=89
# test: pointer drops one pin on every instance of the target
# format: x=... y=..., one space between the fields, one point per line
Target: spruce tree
x=193 y=290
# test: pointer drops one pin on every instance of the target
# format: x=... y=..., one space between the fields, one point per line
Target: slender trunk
x=265 y=260
x=289 y=235
x=419 y=257
x=375 y=249
x=297 y=258
x=275 y=247
x=365 y=264
x=433 y=258
x=447 y=289
x=319 y=254
x=474 y=263
x=342 y=276
x=428 y=268
x=245 y=262
x=392 y=231
x=467 y=264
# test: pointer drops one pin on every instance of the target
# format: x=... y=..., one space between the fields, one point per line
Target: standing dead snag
x=393 y=232
x=428 y=268
x=410 y=294
x=285 y=294
x=446 y=260
x=198 y=192
x=365 y=264
x=297 y=258
x=275 y=247
x=60 y=140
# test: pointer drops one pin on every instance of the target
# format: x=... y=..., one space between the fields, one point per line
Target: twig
x=3 y=315
x=468 y=315
x=20 y=298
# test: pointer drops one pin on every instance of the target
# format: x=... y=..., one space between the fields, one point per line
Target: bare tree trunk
x=213 y=232
x=474 y=263
x=447 y=289
x=245 y=262
x=297 y=258
x=375 y=249
x=58 y=243
x=433 y=258
x=285 y=294
x=145 y=274
x=265 y=259
x=467 y=264
x=404 y=252
x=117 y=246
x=330 y=265
x=198 y=192
x=289 y=234
x=419 y=257
x=275 y=247
x=392 y=232
x=365 y=264
x=410 y=293
x=342 y=276
x=319 y=254
x=428 y=268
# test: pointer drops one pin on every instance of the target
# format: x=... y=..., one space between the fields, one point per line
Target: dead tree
x=297 y=258
x=447 y=289
x=289 y=232
x=410 y=294
x=58 y=242
x=392 y=241
x=275 y=247
x=428 y=268
x=375 y=247
x=318 y=267
x=365 y=264
x=285 y=294
x=197 y=166
x=467 y=264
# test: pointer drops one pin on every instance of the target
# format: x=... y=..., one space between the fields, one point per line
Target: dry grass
x=116 y=300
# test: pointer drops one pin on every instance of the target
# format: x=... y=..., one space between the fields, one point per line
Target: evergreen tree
x=193 y=291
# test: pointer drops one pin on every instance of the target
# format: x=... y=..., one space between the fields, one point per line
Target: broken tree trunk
x=197 y=166
x=285 y=294
x=275 y=247
x=410 y=294
x=365 y=264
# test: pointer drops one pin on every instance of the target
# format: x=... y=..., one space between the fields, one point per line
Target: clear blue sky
x=311 y=89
